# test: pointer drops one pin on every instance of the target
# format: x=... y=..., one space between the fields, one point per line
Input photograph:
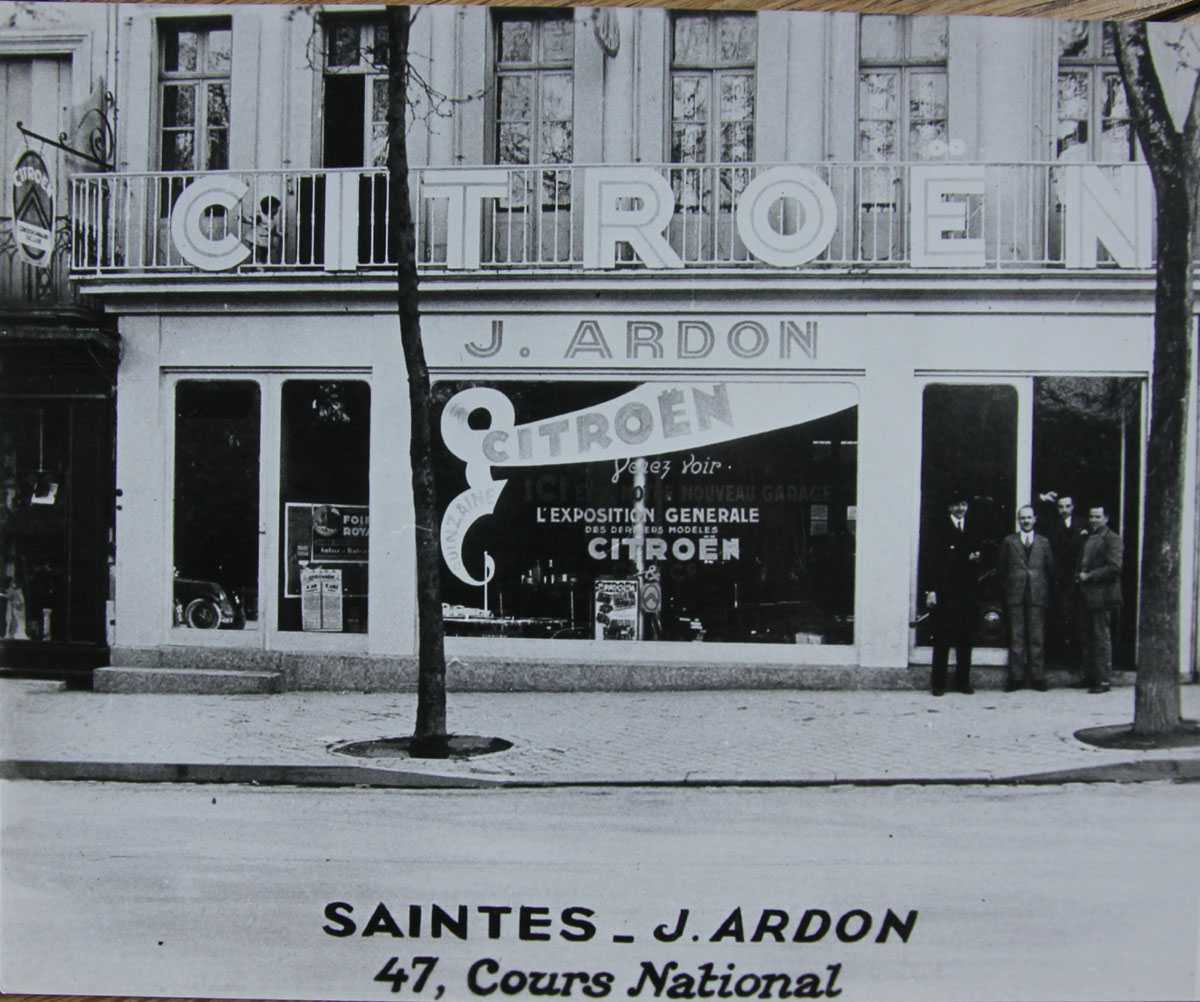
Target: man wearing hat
x=953 y=595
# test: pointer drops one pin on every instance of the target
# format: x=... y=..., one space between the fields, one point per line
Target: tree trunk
x=1156 y=703
x=429 y=735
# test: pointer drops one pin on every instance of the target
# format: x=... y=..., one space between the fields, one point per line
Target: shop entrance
x=1008 y=444
x=969 y=444
x=1087 y=443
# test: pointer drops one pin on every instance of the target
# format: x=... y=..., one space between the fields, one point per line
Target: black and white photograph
x=632 y=502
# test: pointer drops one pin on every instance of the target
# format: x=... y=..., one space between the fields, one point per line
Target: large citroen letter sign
x=194 y=245
x=818 y=213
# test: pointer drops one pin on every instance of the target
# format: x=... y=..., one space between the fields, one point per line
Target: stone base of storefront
x=362 y=673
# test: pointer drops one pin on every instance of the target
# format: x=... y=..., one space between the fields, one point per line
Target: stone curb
x=1178 y=770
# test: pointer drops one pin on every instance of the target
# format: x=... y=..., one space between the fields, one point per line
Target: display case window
x=706 y=511
x=34 y=536
x=216 y=506
x=325 y=439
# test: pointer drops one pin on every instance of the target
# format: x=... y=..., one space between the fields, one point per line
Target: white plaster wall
x=808 y=108
x=651 y=42
x=617 y=106
x=143 y=589
x=771 y=83
x=888 y=471
x=1007 y=58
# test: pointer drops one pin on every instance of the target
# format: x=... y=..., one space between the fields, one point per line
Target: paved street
x=1058 y=892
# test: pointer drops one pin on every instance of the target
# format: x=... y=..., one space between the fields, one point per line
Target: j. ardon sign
x=632 y=206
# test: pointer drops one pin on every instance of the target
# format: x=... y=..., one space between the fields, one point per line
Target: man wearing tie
x=1025 y=568
x=1067 y=534
x=953 y=598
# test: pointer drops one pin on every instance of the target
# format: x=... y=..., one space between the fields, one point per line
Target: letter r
x=607 y=222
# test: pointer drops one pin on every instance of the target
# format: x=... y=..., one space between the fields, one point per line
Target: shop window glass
x=34 y=525
x=737 y=527
x=325 y=436
x=216 y=510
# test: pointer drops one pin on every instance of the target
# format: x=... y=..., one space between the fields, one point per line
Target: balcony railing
x=812 y=217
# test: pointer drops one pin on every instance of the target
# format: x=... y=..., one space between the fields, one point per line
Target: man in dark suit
x=1067 y=533
x=1099 y=577
x=953 y=596
x=1025 y=567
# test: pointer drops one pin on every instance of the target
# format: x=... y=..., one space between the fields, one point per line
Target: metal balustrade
x=533 y=219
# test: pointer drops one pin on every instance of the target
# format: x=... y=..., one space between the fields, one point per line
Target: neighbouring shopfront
x=56 y=545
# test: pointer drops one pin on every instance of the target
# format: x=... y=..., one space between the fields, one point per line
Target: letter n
x=1118 y=216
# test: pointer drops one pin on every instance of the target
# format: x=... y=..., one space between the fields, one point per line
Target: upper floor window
x=356 y=91
x=1092 y=112
x=712 y=88
x=194 y=69
x=902 y=87
x=535 y=56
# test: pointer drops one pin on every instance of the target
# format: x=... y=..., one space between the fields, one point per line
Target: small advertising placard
x=615 y=601
x=321 y=599
x=321 y=535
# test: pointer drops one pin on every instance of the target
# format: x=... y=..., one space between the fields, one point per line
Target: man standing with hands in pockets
x=1099 y=578
x=1025 y=568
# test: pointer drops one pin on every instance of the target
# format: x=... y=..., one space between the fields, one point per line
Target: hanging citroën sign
x=33 y=208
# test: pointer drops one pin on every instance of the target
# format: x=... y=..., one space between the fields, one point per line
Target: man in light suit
x=1025 y=568
x=1099 y=577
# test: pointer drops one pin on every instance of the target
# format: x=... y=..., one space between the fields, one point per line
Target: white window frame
x=200 y=78
x=267 y=636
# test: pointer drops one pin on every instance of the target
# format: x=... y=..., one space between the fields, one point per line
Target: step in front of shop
x=194 y=681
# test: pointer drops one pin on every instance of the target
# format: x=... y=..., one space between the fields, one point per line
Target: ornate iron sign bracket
x=101 y=139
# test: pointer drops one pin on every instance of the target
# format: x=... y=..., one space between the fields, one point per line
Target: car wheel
x=202 y=614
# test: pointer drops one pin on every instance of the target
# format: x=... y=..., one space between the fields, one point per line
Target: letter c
x=491 y=442
x=486 y=964
x=196 y=247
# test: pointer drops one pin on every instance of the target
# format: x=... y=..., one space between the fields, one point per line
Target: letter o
x=864 y=926
x=786 y=250
x=513 y=982
x=645 y=423
x=761 y=339
x=683 y=548
x=739 y=986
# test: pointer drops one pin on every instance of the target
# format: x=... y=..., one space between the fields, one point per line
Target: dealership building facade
x=718 y=308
